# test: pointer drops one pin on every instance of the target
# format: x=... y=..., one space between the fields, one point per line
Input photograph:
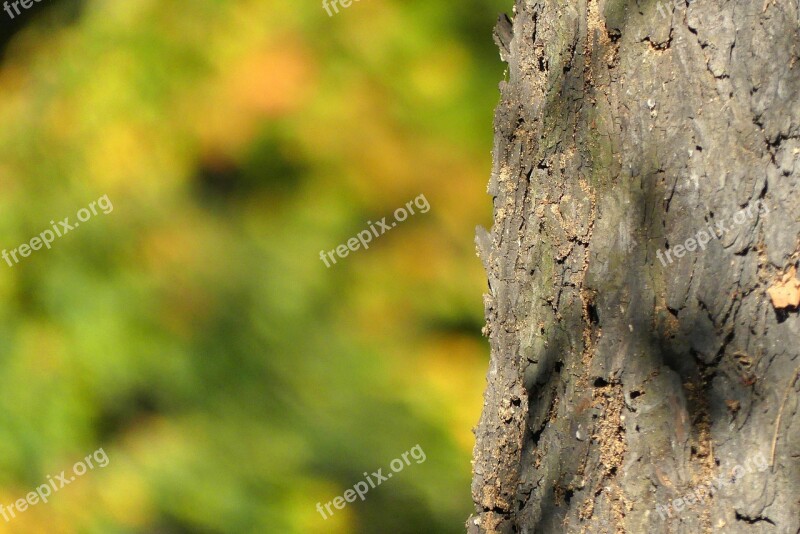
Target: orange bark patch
x=786 y=292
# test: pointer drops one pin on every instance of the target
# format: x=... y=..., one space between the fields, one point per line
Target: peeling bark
x=632 y=366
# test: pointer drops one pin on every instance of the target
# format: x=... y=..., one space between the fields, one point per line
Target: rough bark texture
x=620 y=382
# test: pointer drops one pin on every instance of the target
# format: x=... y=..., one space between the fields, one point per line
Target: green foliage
x=193 y=332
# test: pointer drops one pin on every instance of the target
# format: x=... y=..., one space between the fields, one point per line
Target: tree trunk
x=642 y=302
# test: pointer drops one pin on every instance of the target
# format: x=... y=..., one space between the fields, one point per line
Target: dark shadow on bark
x=654 y=347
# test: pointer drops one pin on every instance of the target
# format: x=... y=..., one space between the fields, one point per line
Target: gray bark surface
x=619 y=383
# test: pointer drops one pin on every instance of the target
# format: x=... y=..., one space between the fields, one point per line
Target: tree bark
x=641 y=305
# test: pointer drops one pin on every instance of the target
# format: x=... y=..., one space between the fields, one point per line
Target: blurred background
x=194 y=333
